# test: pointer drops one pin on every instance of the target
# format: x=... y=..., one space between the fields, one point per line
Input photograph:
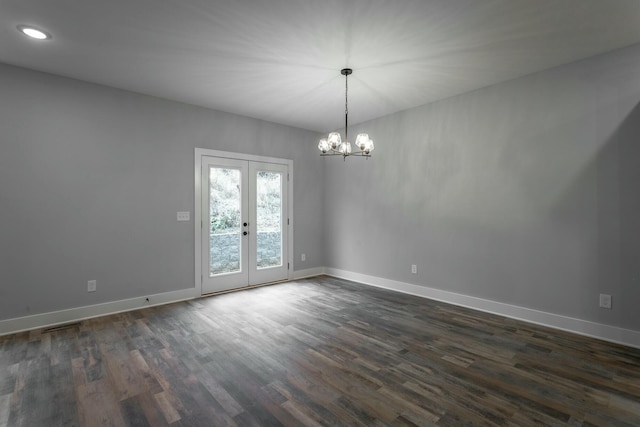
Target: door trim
x=199 y=153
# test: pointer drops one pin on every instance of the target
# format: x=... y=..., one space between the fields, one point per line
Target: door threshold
x=244 y=288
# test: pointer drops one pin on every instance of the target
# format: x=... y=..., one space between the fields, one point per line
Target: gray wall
x=91 y=179
x=524 y=192
x=527 y=193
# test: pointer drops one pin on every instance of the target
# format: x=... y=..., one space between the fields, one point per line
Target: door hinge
x=287 y=266
x=288 y=223
x=287 y=177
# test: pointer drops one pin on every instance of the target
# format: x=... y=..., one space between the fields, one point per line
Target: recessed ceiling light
x=33 y=32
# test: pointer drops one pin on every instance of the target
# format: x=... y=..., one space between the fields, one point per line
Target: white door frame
x=199 y=153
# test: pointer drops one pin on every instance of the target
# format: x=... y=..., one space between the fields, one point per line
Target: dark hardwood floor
x=320 y=351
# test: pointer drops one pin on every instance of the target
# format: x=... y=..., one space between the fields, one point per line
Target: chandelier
x=333 y=145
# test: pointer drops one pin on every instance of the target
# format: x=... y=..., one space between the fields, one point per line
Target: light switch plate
x=605 y=301
x=184 y=216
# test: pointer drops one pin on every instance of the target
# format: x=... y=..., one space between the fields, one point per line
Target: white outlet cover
x=605 y=301
x=184 y=216
x=303 y=257
x=91 y=286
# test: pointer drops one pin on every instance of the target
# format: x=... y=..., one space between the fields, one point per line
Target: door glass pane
x=268 y=219
x=224 y=221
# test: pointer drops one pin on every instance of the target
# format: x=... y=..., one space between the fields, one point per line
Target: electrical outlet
x=414 y=269
x=605 y=301
x=91 y=285
x=303 y=257
x=183 y=216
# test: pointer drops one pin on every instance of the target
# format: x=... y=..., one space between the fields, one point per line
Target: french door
x=244 y=233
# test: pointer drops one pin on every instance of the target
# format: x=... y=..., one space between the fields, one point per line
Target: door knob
x=245 y=224
x=245 y=233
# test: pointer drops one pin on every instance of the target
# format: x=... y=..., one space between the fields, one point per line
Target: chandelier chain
x=346 y=107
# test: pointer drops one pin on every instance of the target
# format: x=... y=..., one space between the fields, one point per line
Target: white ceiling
x=280 y=60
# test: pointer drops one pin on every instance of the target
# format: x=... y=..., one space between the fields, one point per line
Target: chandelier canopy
x=334 y=145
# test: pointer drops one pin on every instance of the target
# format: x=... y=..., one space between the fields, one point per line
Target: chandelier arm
x=337 y=153
x=353 y=153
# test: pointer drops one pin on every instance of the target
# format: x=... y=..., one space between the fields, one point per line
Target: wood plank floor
x=320 y=351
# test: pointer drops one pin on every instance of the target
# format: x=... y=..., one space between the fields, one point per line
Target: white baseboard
x=613 y=334
x=309 y=272
x=44 y=320
x=583 y=327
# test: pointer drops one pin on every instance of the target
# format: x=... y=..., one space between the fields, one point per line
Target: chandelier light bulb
x=362 y=141
x=323 y=145
x=334 y=140
x=369 y=148
x=345 y=148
